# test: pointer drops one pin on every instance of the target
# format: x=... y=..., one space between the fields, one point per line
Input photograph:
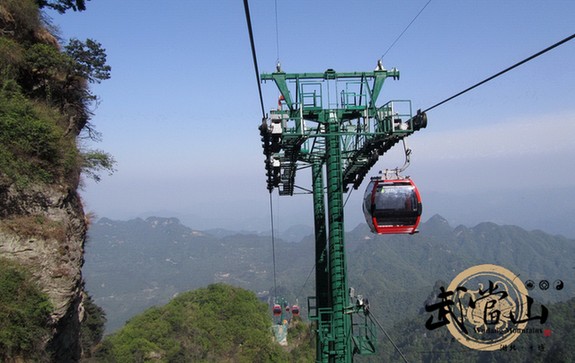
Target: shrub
x=33 y=148
x=24 y=314
x=214 y=324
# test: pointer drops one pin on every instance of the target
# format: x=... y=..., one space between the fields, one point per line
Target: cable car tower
x=332 y=119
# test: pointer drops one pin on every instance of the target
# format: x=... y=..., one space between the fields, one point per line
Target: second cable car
x=392 y=206
x=277 y=310
x=295 y=310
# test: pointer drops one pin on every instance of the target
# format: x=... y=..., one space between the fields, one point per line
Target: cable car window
x=398 y=198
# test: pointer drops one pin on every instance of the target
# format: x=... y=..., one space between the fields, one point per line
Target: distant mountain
x=292 y=234
x=399 y=273
x=131 y=265
x=296 y=233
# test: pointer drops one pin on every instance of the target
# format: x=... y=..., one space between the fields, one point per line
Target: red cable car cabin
x=295 y=310
x=277 y=310
x=392 y=206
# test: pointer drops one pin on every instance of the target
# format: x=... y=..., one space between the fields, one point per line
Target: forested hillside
x=131 y=265
x=219 y=323
x=135 y=264
x=46 y=107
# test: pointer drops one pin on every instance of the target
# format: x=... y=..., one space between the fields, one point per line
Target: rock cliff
x=44 y=228
x=45 y=105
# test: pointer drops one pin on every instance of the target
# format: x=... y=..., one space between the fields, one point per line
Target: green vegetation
x=398 y=274
x=213 y=324
x=92 y=330
x=32 y=146
x=45 y=101
x=24 y=314
x=45 y=108
x=63 y=5
x=301 y=341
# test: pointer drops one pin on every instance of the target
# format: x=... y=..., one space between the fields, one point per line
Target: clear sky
x=181 y=111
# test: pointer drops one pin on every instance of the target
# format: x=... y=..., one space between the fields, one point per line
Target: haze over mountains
x=131 y=265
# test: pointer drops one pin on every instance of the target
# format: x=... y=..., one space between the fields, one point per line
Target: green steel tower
x=331 y=119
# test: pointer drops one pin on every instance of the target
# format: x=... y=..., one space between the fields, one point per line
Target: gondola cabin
x=392 y=206
x=277 y=310
x=295 y=310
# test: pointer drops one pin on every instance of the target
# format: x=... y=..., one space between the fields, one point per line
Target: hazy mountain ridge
x=398 y=273
x=134 y=264
x=131 y=265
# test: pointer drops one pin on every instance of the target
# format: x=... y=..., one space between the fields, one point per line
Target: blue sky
x=181 y=111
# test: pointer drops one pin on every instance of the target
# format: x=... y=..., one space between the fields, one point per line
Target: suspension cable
x=388 y=337
x=503 y=71
x=305 y=282
x=348 y=195
x=277 y=33
x=273 y=245
x=404 y=30
x=255 y=59
x=249 y=23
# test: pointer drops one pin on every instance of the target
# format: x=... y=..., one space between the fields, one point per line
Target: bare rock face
x=44 y=228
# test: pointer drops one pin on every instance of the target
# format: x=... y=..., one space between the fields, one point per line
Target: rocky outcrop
x=46 y=103
x=44 y=228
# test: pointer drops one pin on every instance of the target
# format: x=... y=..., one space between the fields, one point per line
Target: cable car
x=277 y=310
x=392 y=206
x=295 y=310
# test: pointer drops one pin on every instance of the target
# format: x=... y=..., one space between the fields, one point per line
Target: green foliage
x=60 y=78
x=11 y=57
x=96 y=161
x=90 y=60
x=399 y=275
x=45 y=101
x=44 y=71
x=62 y=6
x=88 y=65
x=92 y=329
x=32 y=146
x=301 y=340
x=19 y=18
x=217 y=323
x=24 y=314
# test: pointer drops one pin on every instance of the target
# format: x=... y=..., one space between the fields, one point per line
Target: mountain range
x=135 y=264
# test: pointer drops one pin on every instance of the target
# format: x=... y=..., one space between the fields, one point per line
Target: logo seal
x=489 y=305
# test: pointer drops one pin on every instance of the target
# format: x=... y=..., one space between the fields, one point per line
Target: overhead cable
x=503 y=71
x=404 y=30
x=249 y=23
x=305 y=282
x=389 y=338
x=277 y=33
x=273 y=245
x=255 y=59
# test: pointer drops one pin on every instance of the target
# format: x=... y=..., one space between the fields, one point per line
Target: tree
x=95 y=161
x=62 y=6
x=88 y=64
x=90 y=60
x=48 y=87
